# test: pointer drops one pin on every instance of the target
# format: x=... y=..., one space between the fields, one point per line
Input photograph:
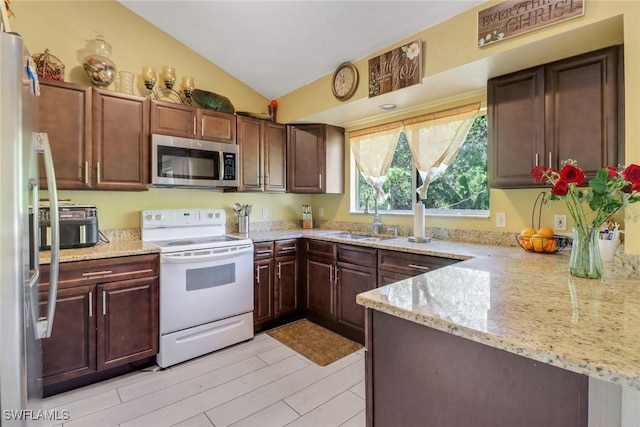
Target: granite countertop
x=527 y=304
x=504 y=297
x=115 y=248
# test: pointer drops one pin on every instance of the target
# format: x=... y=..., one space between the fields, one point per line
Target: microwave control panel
x=229 y=161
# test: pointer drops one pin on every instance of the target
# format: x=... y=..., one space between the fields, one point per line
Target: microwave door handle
x=45 y=325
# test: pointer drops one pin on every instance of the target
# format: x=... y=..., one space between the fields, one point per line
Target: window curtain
x=373 y=151
x=435 y=140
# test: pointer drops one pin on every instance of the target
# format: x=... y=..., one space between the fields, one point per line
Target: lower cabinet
x=106 y=316
x=356 y=273
x=395 y=266
x=335 y=274
x=276 y=292
x=320 y=266
x=431 y=377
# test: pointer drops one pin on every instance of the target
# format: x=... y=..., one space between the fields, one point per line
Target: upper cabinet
x=65 y=115
x=99 y=139
x=262 y=155
x=120 y=141
x=168 y=118
x=569 y=109
x=315 y=159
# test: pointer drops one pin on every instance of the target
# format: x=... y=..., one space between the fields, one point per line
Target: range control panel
x=171 y=218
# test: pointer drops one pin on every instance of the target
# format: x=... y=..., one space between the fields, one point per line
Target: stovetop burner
x=175 y=230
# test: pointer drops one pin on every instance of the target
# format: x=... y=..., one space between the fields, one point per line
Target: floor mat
x=314 y=342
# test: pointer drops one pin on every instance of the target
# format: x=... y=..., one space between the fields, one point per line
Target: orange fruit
x=526 y=233
x=545 y=232
x=527 y=244
x=539 y=242
x=551 y=246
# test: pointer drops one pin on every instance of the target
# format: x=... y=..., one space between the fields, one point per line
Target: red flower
x=612 y=172
x=570 y=173
x=560 y=188
x=632 y=174
x=540 y=174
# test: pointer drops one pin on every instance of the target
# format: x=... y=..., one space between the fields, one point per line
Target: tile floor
x=257 y=383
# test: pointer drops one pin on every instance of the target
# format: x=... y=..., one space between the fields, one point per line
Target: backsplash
x=627 y=265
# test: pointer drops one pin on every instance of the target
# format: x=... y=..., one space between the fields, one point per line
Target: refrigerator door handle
x=45 y=324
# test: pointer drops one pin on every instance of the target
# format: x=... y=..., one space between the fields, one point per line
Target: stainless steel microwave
x=184 y=162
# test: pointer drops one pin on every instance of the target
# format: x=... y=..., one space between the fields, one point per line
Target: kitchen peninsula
x=506 y=336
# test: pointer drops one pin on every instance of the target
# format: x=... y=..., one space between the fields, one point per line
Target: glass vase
x=585 y=258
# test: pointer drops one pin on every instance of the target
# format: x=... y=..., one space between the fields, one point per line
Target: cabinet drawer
x=286 y=247
x=411 y=264
x=105 y=270
x=263 y=250
x=319 y=248
x=358 y=255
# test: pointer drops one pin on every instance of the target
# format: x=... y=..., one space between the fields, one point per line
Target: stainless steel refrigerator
x=23 y=322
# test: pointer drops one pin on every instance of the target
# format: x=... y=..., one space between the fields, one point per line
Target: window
x=461 y=190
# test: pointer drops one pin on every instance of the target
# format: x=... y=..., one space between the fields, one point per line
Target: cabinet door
x=172 y=119
x=582 y=110
x=70 y=352
x=352 y=280
x=251 y=154
x=120 y=141
x=216 y=126
x=320 y=280
x=65 y=115
x=516 y=128
x=286 y=285
x=127 y=321
x=275 y=156
x=263 y=291
x=306 y=159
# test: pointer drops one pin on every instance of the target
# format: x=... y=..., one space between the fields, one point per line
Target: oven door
x=201 y=286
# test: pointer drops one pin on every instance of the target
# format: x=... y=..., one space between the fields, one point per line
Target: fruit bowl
x=543 y=245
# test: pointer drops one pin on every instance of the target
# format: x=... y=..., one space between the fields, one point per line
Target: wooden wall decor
x=396 y=69
x=512 y=18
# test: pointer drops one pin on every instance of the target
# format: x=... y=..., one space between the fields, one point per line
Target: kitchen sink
x=358 y=236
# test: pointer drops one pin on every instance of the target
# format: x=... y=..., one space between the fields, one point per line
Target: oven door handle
x=213 y=255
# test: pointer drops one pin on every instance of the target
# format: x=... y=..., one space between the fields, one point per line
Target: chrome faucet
x=377 y=222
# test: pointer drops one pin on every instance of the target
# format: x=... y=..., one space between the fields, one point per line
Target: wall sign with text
x=396 y=69
x=512 y=18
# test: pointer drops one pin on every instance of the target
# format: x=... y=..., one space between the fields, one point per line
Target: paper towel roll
x=418 y=220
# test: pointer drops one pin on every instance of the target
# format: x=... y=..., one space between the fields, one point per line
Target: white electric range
x=206 y=282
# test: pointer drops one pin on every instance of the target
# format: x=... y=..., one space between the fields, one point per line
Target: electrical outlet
x=320 y=212
x=265 y=213
x=560 y=222
x=501 y=219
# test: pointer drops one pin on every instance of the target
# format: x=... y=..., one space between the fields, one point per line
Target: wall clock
x=345 y=81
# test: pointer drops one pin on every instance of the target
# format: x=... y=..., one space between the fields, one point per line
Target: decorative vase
x=585 y=258
x=99 y=68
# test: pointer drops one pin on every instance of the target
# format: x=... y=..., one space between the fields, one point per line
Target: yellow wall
x=64 y=27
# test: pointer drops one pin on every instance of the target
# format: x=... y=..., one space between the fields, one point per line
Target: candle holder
x=168 y=76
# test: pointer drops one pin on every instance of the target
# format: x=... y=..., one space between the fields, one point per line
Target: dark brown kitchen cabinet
x=71 y=350
x=64 y=113
x=99 y=138
x=168 y=118
x=262 y=284
x=569 y=109
x=394 y=266
x=356 y=273
x=286 y=295
x=276 y=284
x=106 y=317
x=127 y=330
x=120 y=141
x=315 y=158
x=320 y=281
x=262 y=155
x=431 y=377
